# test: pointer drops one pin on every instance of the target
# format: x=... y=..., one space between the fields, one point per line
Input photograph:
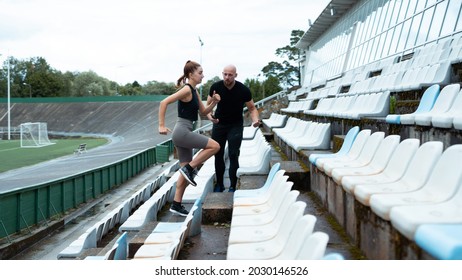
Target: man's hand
x=257 y=123
x=212 y=118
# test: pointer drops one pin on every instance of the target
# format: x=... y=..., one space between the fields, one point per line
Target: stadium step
x=298 y=174
x=217 y=207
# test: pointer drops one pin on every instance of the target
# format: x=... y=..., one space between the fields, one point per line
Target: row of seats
x=255 y=155
x=142 y=208
x=436 y=108
x=118 y=251
x=354 y=106
x=411 y=185
x=275 y=120
x=427 y=65
x=119 y=215
x=296 y=94
x=167 y=238
x=298 y=106
x=269 y=223
x=148 y=211
x=304 y=135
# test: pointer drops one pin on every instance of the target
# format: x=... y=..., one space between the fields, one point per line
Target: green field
x=12 y=156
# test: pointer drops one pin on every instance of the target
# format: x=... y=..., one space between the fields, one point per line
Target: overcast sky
x=147 y=40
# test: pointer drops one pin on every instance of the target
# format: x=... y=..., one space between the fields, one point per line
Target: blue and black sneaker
x=218 y=188
x=188 y=175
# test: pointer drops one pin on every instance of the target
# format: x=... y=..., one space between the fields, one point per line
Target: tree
x=33 y=77
x=287 y=71
x=159 y=88
x=260 y=90
x=271 y=86
x=90 y=84
x=44 y=81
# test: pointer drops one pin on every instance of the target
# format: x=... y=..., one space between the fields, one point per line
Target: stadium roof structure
x=333 y=11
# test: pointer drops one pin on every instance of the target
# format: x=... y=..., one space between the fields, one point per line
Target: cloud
x=148 y=40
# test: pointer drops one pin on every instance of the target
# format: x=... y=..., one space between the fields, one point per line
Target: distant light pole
x=200 y=62
x=8 y=99
x=30 y=89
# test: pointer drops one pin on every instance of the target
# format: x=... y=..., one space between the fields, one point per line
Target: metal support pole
x=9 y=103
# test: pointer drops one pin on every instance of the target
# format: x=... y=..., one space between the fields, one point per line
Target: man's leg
x=234 y=146
x=219 y=135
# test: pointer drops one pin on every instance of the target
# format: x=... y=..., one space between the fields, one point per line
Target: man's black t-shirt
x=231 y=106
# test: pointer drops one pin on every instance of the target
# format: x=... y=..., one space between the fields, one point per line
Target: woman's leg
x=212 y=148
x=177 y=206
x=181 y=185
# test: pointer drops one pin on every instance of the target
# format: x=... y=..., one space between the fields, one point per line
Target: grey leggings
x=185 y=140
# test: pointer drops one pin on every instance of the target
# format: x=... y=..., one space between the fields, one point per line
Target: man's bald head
x=229 y=75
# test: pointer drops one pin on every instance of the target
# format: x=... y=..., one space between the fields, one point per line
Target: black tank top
x=188 y=110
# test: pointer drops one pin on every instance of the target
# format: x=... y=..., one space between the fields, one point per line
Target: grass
x=12 y=156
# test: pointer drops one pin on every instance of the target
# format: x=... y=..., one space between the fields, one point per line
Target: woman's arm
x=211 y=102
x=182 y=94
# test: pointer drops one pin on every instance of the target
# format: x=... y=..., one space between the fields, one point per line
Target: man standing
x=228 y=123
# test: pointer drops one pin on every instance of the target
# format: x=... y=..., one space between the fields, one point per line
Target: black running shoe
x=179 y=210
x=218 y=188
x=188 y=175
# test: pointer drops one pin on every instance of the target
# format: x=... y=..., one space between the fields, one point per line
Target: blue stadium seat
x=245 y=193
x=347 y=143
x=442 y=241
x=426 y=104
x=121 y=253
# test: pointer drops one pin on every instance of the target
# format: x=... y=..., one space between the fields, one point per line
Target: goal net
x=34 y=135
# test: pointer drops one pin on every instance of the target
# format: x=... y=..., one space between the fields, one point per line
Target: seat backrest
x=283 y=205
x=369 y=102
x=371 y=146
x=275 y=168
x=447 y=174
x=428 y=99
x=349 y=139
x=294 y=240
x=110 y=255
x=359 y=102
x=272 y=190
x=307 y=133
x=314 y=246
x=288 y=219
x=282 y=195
x=446 y=98
x=422 y=163
x=401 y=158
x=307 y=105
x=456 y=106
x=333 y=257
x=324 y=104
x=349 y=102
x=384 y=151
x=382 y=104
x=290 y=125
x=301 y=128
x=359 y=142
x=121 y=253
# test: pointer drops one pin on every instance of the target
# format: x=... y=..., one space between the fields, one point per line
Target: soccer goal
x=34 y=135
